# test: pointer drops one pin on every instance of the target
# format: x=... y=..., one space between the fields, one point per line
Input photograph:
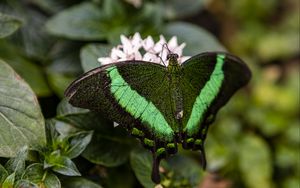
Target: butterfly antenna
x=162 y=61
x=165 y=45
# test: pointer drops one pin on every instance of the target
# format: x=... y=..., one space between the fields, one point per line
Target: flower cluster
x=135 y=48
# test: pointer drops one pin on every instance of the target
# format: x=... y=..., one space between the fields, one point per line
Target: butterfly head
x=173 y=59
x=172 y=56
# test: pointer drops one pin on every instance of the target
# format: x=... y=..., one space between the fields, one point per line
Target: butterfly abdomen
x=174 y=71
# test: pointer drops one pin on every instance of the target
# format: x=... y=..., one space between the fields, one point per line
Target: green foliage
x=196 y=38
x=9 y=25
x=109 y=146
x=21 y=120
x=36 y=176
x=79 y=182
x=141 y=163
x=253 y=143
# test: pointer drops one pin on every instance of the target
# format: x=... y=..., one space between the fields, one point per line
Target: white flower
x=135 y=48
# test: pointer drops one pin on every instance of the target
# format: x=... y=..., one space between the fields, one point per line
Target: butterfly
x=163 y=106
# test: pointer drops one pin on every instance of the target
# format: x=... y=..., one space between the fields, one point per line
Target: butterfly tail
x=155 y=169
x=203 y=158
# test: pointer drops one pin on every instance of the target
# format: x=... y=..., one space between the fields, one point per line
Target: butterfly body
x=162 y=105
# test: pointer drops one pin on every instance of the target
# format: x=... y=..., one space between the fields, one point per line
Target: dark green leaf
x=59 y=82
x=109 y=146
x=177 y=8
x=113 y=8
x=286 y=156
x=3 y=174
x=17 y=164
x=61 y=164
x=25 y=183
x=9 y=181
x=20 y=115
x=36 y=42
x=78 y=182
x=52 y=6
x=255 y=162
x=29 y=71
x=32 y=41
x=8 y=25
x=291 y=182
x=65 y=66
x=81 y=22
x=120 y=177
x=141 y=163
x=51 y=133
x=36 y=174
x=77 y=143
x=65 y=108
x=197 y=39
x=90 y=53
x=186 y=170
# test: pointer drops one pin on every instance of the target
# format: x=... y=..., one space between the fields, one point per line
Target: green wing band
x=138 y=106
x=206 y=97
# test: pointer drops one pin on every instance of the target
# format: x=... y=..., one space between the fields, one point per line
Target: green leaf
x=3 y=174
x=186 y=170
x=65 y=108
x=51 y=132
x=25 y=183
x=197 y=39
x=65 y=66
x=78 y=182
x=59 y=82
x=81 y=22
x=291 y=182
x=113 y=8
x=177 y=8
x=28 y=70
x=286 y=155
x=17 y=164
x=90 y=53
x=141 y=163
x=77 y=143
x=31 y=41
x=110 y=146
x=120 y=177
x=255 y=162
x=35 y=42
x=9 y=181
x=61 y=164
x=8 y=25
x=21 y=120
x=37 y=175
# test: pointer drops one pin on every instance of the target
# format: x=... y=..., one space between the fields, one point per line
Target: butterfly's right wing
x=209 y=80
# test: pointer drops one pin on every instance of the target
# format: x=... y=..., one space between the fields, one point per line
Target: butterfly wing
x=129 y=93
x=135 y=94
x=208 y=82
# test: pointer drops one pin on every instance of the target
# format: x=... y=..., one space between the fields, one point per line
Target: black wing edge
x=71 y=89
x=229 y=56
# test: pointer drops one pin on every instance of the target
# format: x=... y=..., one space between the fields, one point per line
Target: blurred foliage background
x=255 y=141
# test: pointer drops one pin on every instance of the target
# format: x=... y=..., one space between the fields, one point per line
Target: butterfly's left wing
x=208 y=82
x=135 y=94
